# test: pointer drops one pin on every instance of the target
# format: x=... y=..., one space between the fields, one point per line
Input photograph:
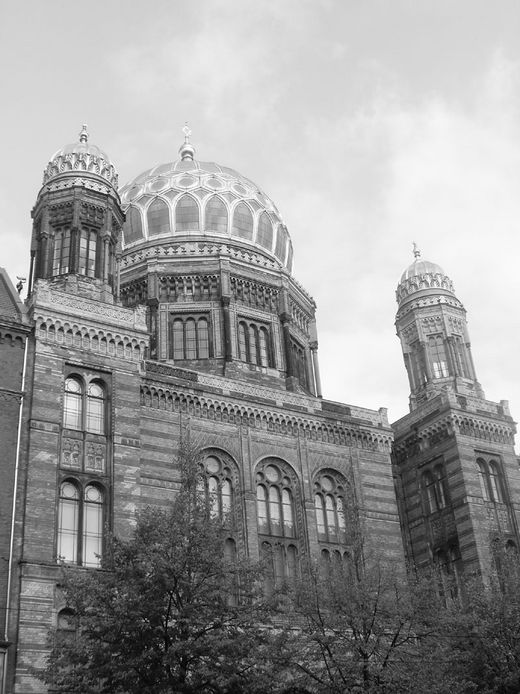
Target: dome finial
x=416 y=251
x=83 y=136
x=186 y=150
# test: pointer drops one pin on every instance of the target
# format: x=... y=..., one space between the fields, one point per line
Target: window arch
x=66 y=627
x=73 y=403
x=189 y=337
x=330 y=493
x=187 y=217
x=242 y=222
x=61 y=252
x=216 y=215
x=490 y=480
x=158 y=218
x=438 y=355
x=81 y=518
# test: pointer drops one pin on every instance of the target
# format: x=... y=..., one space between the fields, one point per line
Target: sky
x=371 y=124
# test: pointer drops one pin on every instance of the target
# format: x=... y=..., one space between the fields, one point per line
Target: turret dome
x=423 y=278
x=190 y=200
x=81 y=158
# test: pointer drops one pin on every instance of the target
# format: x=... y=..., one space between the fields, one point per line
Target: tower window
x=300 y=363
x=438 y=356
x=189 y=338
x=216 y=215
x=158 y=217
x=264 y=235
x=490 y=479
x=81 y=510
x=61 y=252
x=187 y=215
x=87 y=253
x=433 y=484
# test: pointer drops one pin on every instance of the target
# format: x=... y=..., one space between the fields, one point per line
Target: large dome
x=195 y=199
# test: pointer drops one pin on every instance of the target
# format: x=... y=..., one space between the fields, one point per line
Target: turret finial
x=186 y=150
x=416 y=251
x=83 y=136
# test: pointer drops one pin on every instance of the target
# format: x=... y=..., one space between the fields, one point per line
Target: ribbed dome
x=81 y=158
x=189 y=198
x=422 y=277
x=421 y=267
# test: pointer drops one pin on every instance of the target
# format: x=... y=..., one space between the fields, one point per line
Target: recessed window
x=217 y=485
x=80 y=523
x=189 y=337
x=490 y=479
x=254 y=343
x=433 y=484
x=84 y=406
x=329 y=503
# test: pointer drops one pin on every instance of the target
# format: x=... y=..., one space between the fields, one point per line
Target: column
x=316 y=368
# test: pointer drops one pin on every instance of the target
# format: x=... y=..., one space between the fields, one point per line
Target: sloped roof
x=11 y=306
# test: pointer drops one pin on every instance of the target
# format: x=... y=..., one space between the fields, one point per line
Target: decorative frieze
x=254 y=294
x=167 y=398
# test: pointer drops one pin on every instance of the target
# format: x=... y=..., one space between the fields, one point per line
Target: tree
x=168 y=611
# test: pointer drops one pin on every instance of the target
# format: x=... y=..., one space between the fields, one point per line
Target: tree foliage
x=168 y=612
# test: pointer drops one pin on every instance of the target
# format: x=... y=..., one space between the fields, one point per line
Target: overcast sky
x=371 y=124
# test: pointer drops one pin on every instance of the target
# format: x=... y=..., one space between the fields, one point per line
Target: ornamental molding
x=129 y=318
x=428 y=280
x=254 y=294
x=189 y=249
x=167 y=398
x=81 y=161
x=85 y=337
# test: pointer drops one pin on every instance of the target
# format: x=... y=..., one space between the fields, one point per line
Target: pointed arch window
x=242 y=222
x=158 y=218
x=187 y=216
x=264 y=234
x=216 y=215
x=73 y=403
x=133 y=227
x=433 y=484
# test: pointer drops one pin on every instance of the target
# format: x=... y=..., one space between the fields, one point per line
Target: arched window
x=87 y=253
x=158 y=217
x=242 y=222
x=80 y=523
x=254 y=343
x=92 y=525
x=482 y=477
x=329 y=503
x=264 y=235
x=216 y=215
x=299 y=362
x=95 y=408
x=66 y=627
x=189 y=337
x=275 y=500
x=281 y=243
x=217 y=486
x=187 y=215
x=282 y=564
x=495 y=482
x=84 y=407
x=73 y=404
x=133 y=227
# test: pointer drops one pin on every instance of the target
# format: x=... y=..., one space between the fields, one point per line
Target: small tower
x=77 y=222
x=455 y=466
x=431 y=324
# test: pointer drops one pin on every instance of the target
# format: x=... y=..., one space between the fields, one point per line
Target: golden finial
x=186 y=150
x=83 y=136
x=416 y=251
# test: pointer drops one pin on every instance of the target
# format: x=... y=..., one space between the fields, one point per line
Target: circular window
x=272 y=473
x=212 y=465
x=159 y=184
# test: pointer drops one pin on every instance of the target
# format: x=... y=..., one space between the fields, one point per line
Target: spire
x=416 y=251
x=186 y=150
x=83 y=136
